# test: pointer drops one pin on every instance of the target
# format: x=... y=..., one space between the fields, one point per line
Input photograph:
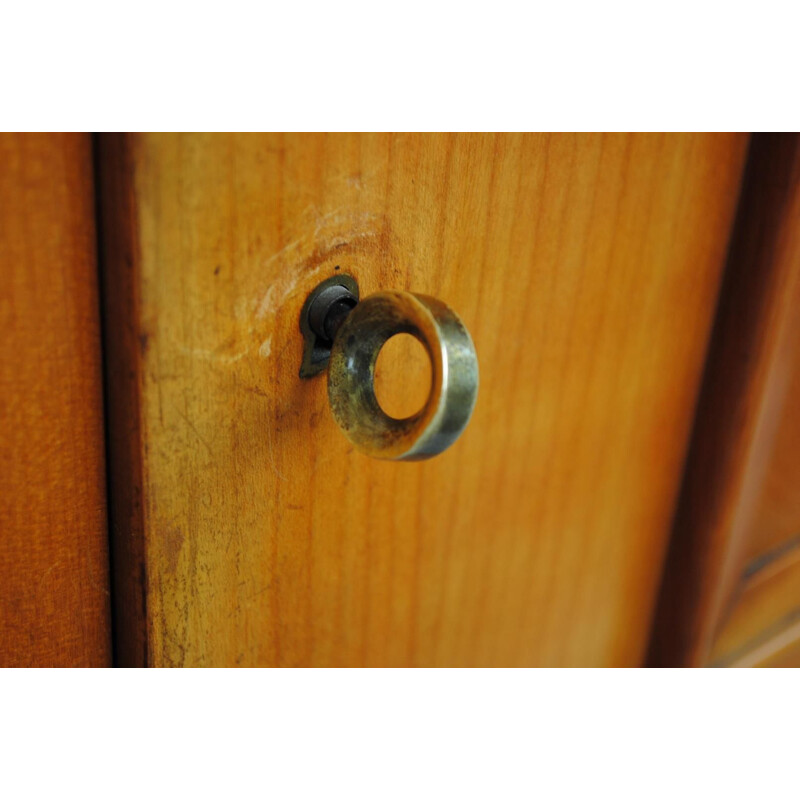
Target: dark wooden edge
x=733 y=422
x=118 y=247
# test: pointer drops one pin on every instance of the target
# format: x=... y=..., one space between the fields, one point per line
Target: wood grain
x=54 y=583
x=765 y=616
x=760 y=627
x=587 y=270
x=776 y=520
x=782 y=651
x=754 y=344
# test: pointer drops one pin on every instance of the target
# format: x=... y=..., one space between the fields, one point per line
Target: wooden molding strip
x=54 y=582
x=743 y=388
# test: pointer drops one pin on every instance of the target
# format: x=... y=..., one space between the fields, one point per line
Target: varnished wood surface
x=776 y=521
x=765 y=615
x=587 y=270
x=761 y=625
x=783 y=651
x=749 y=366
x=54 y=584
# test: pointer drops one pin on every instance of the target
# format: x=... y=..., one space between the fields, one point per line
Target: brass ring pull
x=351 y=375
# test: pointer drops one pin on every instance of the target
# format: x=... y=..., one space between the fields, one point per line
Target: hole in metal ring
x=403 y=376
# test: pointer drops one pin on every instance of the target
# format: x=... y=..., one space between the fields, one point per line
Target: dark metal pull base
x=323 y=313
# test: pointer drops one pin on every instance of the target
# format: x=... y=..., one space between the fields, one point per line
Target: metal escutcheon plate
x=351 y=374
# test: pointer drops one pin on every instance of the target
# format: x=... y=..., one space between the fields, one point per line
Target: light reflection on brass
x=351 y=374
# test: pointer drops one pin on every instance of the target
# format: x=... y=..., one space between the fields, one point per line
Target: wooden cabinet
x=630 y=298
x=587 y=269
x=54 y=589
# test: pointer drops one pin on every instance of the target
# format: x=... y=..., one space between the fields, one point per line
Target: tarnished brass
x=351 y=374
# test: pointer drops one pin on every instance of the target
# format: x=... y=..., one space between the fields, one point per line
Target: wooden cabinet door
x=247 y=529
x=54 y=577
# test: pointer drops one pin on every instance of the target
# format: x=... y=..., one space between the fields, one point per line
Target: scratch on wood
x=213 y=355
x=194 y=430
x=305 y=256
x=173 y=542
x=332 y=231
x=272 y=455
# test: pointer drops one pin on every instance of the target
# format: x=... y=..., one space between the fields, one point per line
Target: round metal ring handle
x=351 y=376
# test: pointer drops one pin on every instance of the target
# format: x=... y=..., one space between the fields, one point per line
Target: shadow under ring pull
x=354 y=347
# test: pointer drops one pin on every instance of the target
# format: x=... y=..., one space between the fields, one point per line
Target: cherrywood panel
x=754 y=345
x=761 y=625
x=776 y=521
x=765 y=616
x=587 y=270
x=54 y=590
x=783 y=651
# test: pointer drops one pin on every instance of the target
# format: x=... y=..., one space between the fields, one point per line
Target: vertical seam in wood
x=123 y=343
